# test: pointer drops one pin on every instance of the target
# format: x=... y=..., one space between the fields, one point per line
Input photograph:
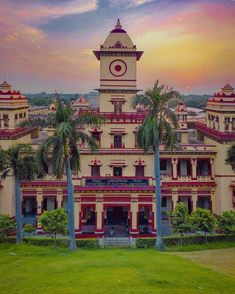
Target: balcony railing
x=214 y=133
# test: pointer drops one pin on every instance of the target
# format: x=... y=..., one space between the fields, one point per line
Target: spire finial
x=118 y=25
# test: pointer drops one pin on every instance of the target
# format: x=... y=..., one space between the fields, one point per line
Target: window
x=117 y=171
x=178 y=137
x=203 y=168
x=184 y=168
x=5 y=120
x=95 y=170
x=139 y=171
x=163 y=164
x=96 y=135
x=164 y=202
x=117 y=107
x=117 y=141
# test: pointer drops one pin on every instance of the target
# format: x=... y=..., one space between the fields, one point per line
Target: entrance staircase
x=116 y=242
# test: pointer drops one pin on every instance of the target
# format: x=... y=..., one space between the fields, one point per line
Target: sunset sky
x=46 y=45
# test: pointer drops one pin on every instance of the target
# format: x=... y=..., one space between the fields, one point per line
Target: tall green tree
x=156 y=129
x=226 y=222
x=62 y=151
x=17 y=161
x=203 y=221
x=7 y=225
x=230 y=159
x=54 y=222
x=180 y=220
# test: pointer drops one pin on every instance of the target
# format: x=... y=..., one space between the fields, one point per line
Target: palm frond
x=58 y=157
x=63 y=112
x=158 y=125
x=142 y=100
x=89 y=118
x=42 y=154
x=74 y=156
x=86 y=139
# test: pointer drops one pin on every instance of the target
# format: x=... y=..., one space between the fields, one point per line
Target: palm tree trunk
x=159 y=242
x=18 y=211
x=70 y=197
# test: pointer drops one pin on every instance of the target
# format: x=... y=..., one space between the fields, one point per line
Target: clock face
x=117 y=67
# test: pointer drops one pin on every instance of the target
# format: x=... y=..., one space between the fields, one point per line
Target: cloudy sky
x=46 y=45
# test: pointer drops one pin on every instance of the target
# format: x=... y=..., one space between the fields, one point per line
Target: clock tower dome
x=118 y=57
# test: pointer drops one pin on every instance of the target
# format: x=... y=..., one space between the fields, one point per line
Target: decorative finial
x=118 y=25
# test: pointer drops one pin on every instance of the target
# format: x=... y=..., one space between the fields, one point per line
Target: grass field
x=32 y=269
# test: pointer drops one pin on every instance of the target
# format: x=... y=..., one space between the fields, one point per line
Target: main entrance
x=117 y=221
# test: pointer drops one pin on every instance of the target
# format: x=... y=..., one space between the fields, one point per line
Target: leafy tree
x=180 y=219
x=17 y=161
x=7 y=225
x=54 y=222
x=226 y=222
x=230 y=160
x=29 y=229
x=203 y=221
x=62 y=150
x=157 y=128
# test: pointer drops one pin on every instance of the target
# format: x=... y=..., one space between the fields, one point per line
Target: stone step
x=116 y=242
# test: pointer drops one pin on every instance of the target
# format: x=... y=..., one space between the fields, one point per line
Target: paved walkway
x=220 y=260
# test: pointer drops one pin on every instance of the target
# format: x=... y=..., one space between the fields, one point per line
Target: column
x=59 y=198
x=194 y=200
x=212 y=162
x=154 y=223
x=175 y=198
x=99 y=208
x=134 y=229
x=174 y=163
x=194 y=168
x=39 y=199
x=77 y=215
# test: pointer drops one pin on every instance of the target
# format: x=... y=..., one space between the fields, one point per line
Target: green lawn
x=32 y=269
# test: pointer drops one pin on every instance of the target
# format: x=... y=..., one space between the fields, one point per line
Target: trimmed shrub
x=45 y=241
x=87 y=243
x=226 y=222
x=186 y=240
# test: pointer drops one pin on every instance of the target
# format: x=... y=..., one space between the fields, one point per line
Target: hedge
x=43 y=241
x=186 y=240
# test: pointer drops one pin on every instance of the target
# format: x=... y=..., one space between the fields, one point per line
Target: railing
x=185 y=178
x=13 y=133
x=214 y=133
x=124 y=115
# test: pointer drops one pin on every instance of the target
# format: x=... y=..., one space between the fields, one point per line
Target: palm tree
x=18 y=162
x=230 y=159
x=62 y=150
x=157 y=128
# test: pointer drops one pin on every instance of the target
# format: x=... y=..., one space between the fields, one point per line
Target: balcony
x=228 y=136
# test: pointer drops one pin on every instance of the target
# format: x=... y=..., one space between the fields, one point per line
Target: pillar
x=194 y=168
x=194 y=200
x=212 y=162
x=39 y=199
x=59 y=199
x=154 y=223
x=77 y=215
x=134 y=229
x=174 y=163
x=99 y=209
x=175 y=199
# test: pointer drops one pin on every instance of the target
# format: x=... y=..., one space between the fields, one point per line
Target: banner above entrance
x=117 y=182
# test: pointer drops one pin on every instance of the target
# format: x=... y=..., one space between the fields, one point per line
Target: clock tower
x=118 y=57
